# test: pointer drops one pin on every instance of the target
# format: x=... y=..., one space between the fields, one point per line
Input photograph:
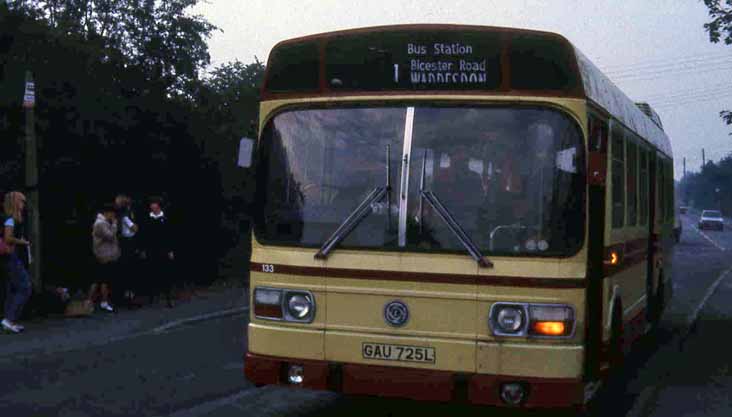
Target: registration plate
x=388 y=352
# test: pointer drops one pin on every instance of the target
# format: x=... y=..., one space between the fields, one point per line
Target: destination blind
x=414 y=61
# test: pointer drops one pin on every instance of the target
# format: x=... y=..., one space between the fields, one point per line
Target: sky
x=654 y=50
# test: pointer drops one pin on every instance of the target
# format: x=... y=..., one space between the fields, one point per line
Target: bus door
x=653 y=238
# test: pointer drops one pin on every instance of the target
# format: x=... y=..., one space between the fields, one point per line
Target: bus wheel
x=659 y=304
x=606 y=398
x=617 y=354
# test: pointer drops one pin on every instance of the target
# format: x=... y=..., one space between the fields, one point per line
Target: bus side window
x=643 y=188
x=670 y=192
x=618 y=178
x=632 y=170
x=661 y=192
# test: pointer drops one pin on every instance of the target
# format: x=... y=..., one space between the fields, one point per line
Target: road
x=194 y=368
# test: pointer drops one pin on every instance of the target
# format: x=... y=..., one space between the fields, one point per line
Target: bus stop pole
x=31 y=182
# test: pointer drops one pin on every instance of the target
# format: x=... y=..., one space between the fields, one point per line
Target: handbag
x=79 y=308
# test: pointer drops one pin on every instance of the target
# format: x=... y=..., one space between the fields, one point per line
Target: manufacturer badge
x=396 y=313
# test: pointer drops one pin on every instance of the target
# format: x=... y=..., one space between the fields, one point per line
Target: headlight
x=508 y=319
x=300 y=306
x=538 y=320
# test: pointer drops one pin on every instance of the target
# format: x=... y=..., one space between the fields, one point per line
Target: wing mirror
x=246 y=150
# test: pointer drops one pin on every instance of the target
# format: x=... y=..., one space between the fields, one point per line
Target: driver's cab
x=494 y=183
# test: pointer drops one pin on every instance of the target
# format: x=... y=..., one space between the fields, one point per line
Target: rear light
x=268 y=303
x=537 y=320
x=284 y=304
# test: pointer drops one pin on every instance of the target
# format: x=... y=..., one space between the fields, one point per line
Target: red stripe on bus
x=463 y=279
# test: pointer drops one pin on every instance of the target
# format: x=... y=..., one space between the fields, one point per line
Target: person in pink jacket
x=107 y=252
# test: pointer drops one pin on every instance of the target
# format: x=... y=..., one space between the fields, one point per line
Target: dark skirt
x=159 y=274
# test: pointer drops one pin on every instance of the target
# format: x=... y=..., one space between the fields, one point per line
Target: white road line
x=104 y=340
x=710 y=291
x=200 y=317
x=704 y=235
x=651 y=393
x=211 y=406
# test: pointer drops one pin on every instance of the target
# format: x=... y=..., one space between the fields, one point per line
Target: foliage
x=228 y=99
x=158 y=37
x=700 y=188
x=122 y=106
x=720 y=28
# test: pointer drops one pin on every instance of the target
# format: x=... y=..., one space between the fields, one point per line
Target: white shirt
x=127 y=227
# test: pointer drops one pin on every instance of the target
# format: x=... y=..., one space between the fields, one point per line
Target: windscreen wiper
x=361 y=212
x=449 y=220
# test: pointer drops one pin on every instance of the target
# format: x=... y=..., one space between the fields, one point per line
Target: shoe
x=106 y=306
x=11 y=327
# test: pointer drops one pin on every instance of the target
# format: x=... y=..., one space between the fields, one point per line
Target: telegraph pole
x=704 y=160
x=684 y=168
x=31 y=181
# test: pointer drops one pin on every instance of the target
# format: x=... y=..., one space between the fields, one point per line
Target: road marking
x=105 y=340
x=650 y=394
x=704 y=235
x=211 y=406
x=643 y=403
x=200 y=317
x=710 y=291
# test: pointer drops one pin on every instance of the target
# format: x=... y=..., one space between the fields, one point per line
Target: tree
x=228 y=104
x=232 y=92
x=720 y=28
x=105 y=111
x=160 y=38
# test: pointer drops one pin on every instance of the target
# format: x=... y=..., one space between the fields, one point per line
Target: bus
x=453 y=213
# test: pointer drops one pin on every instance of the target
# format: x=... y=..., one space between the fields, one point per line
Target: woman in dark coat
x=156 y=238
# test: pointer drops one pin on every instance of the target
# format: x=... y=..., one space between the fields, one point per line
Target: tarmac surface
x=187 y=361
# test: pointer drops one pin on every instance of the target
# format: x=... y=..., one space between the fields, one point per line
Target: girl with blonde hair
x=18 y=281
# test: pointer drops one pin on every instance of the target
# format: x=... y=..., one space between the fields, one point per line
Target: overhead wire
x=675 y=93
x=662 y=61
x=702 y=93
x=680 y=71
x=670 y=65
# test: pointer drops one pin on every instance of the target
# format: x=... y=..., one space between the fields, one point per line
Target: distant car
x=711 y=219
x=683 y=209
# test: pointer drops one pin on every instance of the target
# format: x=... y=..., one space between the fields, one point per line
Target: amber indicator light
x=549 y=328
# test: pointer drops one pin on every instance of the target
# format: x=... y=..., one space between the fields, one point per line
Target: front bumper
x=411 y=383
x=711 y=225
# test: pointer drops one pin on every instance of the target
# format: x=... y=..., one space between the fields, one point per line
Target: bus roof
x=448 y=59
x=599 y=89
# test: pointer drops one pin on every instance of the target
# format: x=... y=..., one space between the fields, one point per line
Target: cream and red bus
x=453 y=213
